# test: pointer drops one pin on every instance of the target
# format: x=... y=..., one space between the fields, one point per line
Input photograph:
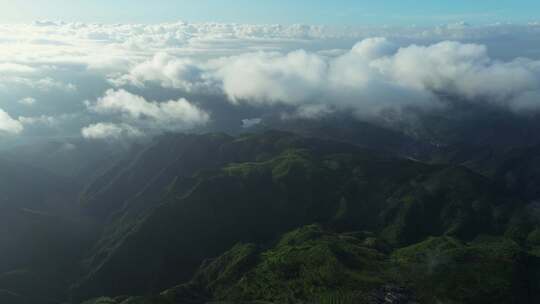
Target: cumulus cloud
x=109 y=131
x=374 y=48
x=138 y=113
x=272 y=78
x=9 y=125
x=175 y=114
x=373 y=76
x=464 y=70
x=169 y=72
x=316 y=84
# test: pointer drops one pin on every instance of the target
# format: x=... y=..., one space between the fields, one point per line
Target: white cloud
x=15 y=68
x=42 y=120
x=180 y=112
x=374 y=48
x=313 y=69
x=316 y=84
x=273 y=78
x=28 y=101
x=375 y=75
x=109 y=131
x=118 y=47
x=314 y=111
x=169 y=72
x=46 y=23
x=47 y=84
x=463 y=70
x=68 y=147
x=250 y=122
x=168 y=115
x=9 y=125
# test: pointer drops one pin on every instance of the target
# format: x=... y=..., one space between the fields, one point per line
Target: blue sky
x=339 y=12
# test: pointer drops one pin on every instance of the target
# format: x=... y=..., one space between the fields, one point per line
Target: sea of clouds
x=111 y=81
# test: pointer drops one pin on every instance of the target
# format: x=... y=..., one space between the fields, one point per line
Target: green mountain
x=520 y=172
x=42 y=239
x=199 y=195
x=25 y=186
x=314 y=265
x=272 y=217
x=40 y=255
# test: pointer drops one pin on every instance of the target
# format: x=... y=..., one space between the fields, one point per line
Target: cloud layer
x=374 y=75
x=142 y=79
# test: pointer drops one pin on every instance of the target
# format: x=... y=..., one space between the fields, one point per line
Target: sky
x=124 y=70
x=341 y=12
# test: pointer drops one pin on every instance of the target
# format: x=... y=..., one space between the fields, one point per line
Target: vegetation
x=278 y=218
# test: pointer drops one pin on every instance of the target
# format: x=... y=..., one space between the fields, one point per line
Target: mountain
x=254 y=188
x=25 y=186
x=314 y=265
x=368 y=135
x=272 y=217
x=76 y=159
x=520 y=171
x=42 y=236
x=40 y=255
